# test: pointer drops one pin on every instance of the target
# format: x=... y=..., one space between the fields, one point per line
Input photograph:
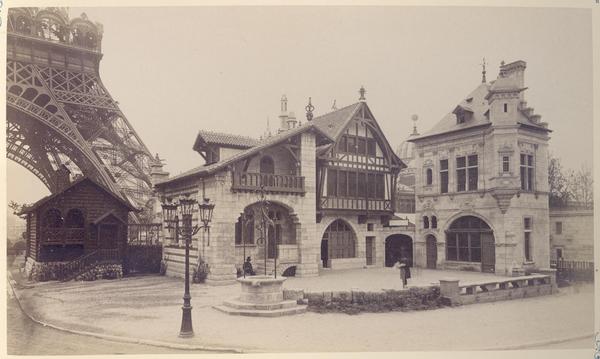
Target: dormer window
x=460 y=118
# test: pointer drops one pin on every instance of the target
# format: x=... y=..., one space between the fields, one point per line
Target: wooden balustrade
x=363 y=204
x=247 y=181
x=53 y=236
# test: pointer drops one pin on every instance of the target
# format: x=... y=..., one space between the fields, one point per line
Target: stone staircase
x=236 y=307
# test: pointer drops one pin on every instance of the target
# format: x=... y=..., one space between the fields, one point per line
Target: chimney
x=283 y=117
x=62 y=177
x=514 y=71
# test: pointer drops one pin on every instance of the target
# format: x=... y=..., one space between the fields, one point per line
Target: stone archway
x=471 y=239
x=398 y=246
x=338 y=241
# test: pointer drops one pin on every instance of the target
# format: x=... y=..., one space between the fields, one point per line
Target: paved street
x=134 y=306
x=26 y=337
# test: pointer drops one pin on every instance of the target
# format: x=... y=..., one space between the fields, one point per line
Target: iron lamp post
x=186 y=206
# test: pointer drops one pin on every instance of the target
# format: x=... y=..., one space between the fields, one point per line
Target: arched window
x=433 y=222
x=75 y=219
x=463 y=239
x=429 y=175
x=425 y=222
x=267 y=165
x=52 y=219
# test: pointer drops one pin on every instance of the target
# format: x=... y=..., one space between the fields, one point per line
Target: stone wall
x=577 y=237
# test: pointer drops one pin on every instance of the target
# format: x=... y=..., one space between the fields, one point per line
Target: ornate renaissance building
x=481 y=182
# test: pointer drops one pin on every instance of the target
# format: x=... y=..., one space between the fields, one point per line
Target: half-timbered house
x=329 y=183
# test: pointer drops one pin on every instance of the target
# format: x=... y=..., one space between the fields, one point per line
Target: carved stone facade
x=489 y=161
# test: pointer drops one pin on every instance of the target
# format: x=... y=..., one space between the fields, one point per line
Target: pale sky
x=175 y=71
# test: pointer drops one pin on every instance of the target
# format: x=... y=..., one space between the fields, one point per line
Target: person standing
x=402 y=267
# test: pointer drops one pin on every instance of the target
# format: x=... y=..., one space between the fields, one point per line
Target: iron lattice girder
x=84 y=92
x=23 y=95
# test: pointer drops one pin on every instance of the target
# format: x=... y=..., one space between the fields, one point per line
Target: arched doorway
x=431 y=251
x=339 y=241
x=470 y=239
x=398 y=246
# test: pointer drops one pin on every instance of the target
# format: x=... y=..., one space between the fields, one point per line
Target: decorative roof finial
x=483 y=80
x=362 y=93
x=415 y=118
x=334 y=106
x=309 y=109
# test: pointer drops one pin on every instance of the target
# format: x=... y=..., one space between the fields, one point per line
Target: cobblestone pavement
x=149 y=307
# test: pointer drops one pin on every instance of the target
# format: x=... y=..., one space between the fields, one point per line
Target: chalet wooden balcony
x=63 y=236
x=247 y=181
x=356 y=204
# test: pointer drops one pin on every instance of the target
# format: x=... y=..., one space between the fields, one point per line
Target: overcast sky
x=175 y=71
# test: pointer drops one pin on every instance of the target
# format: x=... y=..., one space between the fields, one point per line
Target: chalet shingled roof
x=74 y=184
x=223 y=139
x=265 y=143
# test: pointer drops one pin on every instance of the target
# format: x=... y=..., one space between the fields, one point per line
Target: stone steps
x=297 y=309
x=237 y=304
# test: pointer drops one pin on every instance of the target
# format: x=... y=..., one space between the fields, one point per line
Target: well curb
x=121 y=339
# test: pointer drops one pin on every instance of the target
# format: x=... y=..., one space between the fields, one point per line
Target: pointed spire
x=414 y=118
x=362 y=93
x=309 y=109
x=483 y=79
x=334 y=106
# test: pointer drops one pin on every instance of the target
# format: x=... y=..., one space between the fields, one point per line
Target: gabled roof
x=74 y=184
x=223 y=139
x=334 y=123
x=267 y=142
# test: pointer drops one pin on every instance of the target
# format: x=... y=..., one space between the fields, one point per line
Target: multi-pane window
x=341 y=240
x=466 y=173
x=463 y=239
x=505 y=164
x=342 y=183
x=433 y=222
x=527 y=227
x=558 y=228
x=425 y=222
x=357 y=145
x=444 y=176
x=527 y=172
x=244 y=235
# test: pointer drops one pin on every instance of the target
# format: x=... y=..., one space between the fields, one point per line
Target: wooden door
x=325 y=253
x=370 y=248
x=488 y=253
x=431 y=252
x=108 y=236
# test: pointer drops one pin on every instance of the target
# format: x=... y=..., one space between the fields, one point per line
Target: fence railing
x=144 y=233
x=271 y=182
x=567 y=270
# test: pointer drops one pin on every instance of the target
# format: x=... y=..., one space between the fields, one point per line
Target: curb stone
x=543 y=342
x=121 y=339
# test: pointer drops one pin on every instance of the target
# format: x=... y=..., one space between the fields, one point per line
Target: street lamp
x=186 y=206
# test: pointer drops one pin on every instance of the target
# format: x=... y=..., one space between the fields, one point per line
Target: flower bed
x=354 y=302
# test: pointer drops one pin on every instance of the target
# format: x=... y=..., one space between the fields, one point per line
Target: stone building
x=572 y=232
x=330 y=184
x=481 y=182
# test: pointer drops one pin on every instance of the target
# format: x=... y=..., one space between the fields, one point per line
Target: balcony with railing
x=64 y=236
x=248 y=181
x=357 y=204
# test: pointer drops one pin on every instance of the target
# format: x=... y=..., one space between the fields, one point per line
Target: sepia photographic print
x=344 y=179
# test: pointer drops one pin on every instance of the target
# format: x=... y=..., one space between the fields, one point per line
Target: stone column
x=308 y=243
x=450 y=290
x=220 y=252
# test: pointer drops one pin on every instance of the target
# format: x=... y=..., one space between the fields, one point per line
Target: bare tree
x=559 y=183
x=582 y=186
